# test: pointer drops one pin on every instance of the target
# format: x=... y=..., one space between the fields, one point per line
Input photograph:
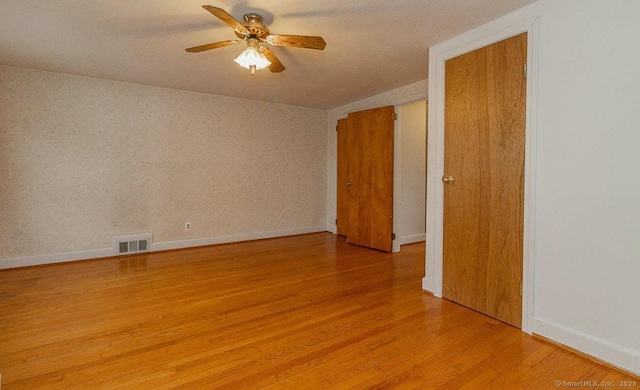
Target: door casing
x=438 y=55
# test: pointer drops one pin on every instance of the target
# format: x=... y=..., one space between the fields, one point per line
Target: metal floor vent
x=132 y=244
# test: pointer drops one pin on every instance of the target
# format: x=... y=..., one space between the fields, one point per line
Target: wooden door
x=484 y=204
x=341 y=185
x=370 y=178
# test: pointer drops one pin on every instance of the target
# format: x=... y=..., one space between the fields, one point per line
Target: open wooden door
x=342 y=210
x=370 y=178
x=484 y=179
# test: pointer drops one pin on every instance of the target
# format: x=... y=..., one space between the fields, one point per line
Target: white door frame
x=483 y=36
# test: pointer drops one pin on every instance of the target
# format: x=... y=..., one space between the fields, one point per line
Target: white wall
x=585 y=245
x=588 y=220
x=84 y=159
x=407 y=94
x=412 y=130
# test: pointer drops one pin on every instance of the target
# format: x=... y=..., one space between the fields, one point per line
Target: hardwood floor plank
x=367 y=353
x=308 y=311
x=500 y=361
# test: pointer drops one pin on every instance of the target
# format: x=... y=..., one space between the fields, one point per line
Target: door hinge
x=336 y=127
x=525 y=71
x=393 y=236
x=395 y=116
x=336 y=221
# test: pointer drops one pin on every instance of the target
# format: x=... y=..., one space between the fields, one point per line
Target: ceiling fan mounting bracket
x=253 y=18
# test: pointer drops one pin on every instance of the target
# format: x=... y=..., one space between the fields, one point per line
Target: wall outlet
x=187 y=226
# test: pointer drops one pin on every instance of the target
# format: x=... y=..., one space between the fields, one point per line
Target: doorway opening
x=408 y=173
x=410 y=177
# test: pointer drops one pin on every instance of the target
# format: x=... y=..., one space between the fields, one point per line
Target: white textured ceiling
x=372 y=45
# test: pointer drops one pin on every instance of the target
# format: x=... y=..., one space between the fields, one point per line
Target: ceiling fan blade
x=210 y=46
x=276 y=66
x=227 y=18
x=307 y=42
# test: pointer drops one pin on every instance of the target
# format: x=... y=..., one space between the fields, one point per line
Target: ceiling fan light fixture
x=252 y=59
x=252 y=31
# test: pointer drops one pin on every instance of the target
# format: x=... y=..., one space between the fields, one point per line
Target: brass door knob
x=447 y=179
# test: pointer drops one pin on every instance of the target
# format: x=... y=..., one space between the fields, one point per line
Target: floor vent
x=132 y=244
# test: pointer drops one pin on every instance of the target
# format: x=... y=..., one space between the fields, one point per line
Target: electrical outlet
x=187 y=226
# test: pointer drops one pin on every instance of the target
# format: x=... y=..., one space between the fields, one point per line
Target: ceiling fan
x=257 y=56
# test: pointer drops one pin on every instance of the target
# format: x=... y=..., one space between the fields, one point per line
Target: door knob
x=447 y=179
x=349 y=184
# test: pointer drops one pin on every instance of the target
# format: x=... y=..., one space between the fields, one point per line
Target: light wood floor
x=304 y=312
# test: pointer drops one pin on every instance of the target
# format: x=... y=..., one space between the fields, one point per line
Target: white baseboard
x=616 y=355
x=427 y=284
x=162 y=246
x=413 y=238
x=26 y=261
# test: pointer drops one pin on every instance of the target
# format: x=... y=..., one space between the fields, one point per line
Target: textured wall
x=84 y=159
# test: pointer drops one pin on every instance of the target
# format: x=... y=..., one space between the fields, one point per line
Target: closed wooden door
x=343 y=174
x=484 y=157
x=370 y=178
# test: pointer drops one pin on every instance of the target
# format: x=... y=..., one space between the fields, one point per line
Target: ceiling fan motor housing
x=253 y=23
